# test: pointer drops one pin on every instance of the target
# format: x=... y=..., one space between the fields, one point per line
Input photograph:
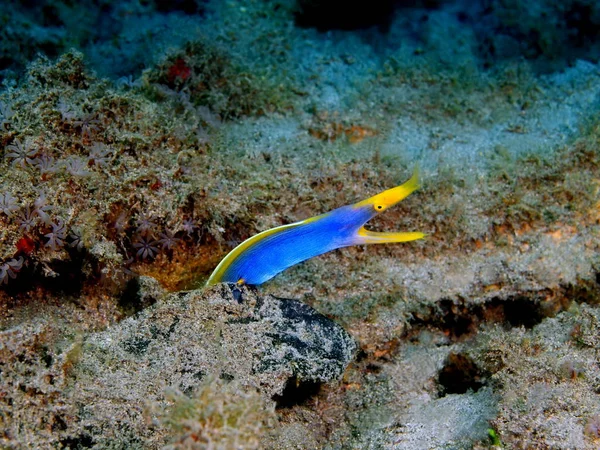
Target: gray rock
x=227 y=332
x=207 y=364
x=312 y=346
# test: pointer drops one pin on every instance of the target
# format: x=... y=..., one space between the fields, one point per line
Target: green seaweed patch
x=494 y=438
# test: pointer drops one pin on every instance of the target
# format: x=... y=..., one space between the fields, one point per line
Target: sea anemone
x=56 y=238
x=9 y=269
x=147 y=248
x=8 y=204
x=21 y=154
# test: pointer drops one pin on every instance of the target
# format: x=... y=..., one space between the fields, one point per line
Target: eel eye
x=379 y=207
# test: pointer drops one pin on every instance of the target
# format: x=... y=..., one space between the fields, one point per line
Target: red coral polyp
x=25 y=245
x=179 y=71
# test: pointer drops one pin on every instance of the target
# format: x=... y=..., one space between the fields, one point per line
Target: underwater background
x=142 y=140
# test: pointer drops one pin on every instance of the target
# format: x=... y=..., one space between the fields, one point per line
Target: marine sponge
x=219 y=415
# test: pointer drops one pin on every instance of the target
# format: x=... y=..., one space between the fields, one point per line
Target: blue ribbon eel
x=261 y=257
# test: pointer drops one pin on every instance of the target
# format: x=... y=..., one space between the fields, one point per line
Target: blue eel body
x=261 y=257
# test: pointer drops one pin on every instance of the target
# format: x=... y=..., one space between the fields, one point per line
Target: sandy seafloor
x=141 y=141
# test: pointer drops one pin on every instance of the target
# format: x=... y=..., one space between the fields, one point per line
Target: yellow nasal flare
x=385 y=199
